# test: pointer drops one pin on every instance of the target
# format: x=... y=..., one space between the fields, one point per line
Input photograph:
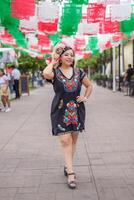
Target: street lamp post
x=119 y=87
x=114 y=70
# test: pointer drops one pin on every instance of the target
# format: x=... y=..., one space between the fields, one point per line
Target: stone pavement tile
x=27 y=172
x=11 y=181
x=32 y=181
x=8 y=154
x=121 y=166
x=64 y=195
x=113 y=158
x=52 y=178
x=131 y=189
x=63 y=187
x=6 y=173
x=7 y=192
x=7 y=198
x=97 y=161
x=32 y=164
x=50 y=187
x=108 y=173
x=26 y=197
x=58 y=177
x=85 y=195
x=75 y=194
x=45 y=196
x=10 y=165
x=94 y=147
x=27 y=190
x=106 y=194
x=129 y=181
x=110 y=183
x=123 y=194
x=129 y=173
x=81 y=187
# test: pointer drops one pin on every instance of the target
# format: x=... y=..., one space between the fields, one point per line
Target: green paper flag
x=92 y=43
x=79 y=2
x=127 y=25
x=55 y=38
x=10 y=23
x=71 y=16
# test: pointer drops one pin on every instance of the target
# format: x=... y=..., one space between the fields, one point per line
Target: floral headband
x=62 y=48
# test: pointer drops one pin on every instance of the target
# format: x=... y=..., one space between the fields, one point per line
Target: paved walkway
x=31 y=164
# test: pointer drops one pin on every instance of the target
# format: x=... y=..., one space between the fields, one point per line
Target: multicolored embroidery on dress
x=71 y=116
x=70 y=85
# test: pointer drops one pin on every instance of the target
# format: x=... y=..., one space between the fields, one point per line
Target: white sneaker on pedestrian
x=8 y=110
x=3 y=109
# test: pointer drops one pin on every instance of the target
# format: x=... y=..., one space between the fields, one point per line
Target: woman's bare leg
x=67 y=148
x=3 y=99
x=8 y=101
x=74 y=140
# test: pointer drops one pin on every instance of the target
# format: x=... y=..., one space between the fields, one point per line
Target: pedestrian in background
x=127 y=79
x=4 y=90
x=67 y=110
x=16 y=77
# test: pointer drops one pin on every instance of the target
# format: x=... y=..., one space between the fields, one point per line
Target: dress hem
x=67 y=132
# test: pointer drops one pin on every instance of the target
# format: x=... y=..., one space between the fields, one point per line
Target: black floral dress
x=67 y=115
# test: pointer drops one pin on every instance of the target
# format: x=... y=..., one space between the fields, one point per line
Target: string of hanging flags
x=89 y=26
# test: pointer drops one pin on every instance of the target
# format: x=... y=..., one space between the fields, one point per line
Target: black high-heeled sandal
x=65 y=171
x=72 y=184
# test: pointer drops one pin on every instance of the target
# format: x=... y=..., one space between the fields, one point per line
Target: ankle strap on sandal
x=72 y=173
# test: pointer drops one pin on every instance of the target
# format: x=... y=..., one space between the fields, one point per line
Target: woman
x=4 y=91
x=67 y=111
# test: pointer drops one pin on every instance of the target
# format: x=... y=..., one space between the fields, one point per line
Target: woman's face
x=67 y=58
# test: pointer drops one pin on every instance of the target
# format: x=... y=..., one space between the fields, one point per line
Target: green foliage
x=96 y=76
x=91 y=62
x=27 y=63
x=132 y=77
x=95 y=61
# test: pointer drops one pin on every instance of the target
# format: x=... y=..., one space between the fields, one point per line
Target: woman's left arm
x=88 y=85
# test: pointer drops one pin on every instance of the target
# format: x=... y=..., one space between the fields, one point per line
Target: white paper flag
x=47 y=11
x=2 y=30
x=120 y=12
x=109 y=1
x=31 y=24
x=88 y=29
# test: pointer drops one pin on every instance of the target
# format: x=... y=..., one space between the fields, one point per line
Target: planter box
x=110 y=84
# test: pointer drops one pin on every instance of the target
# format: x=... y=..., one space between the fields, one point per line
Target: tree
x=27 y=63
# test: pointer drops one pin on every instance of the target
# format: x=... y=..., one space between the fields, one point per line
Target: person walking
x=4 y=90
x=127 y=79
x=67 y=109
x=16 y=77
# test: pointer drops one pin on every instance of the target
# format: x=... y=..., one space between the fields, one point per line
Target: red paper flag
x=117 y=37
x=108 y=26
x=49 y=27
x=43 y=40
x=23 y=9
x=95 y=12
x=108 y=45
